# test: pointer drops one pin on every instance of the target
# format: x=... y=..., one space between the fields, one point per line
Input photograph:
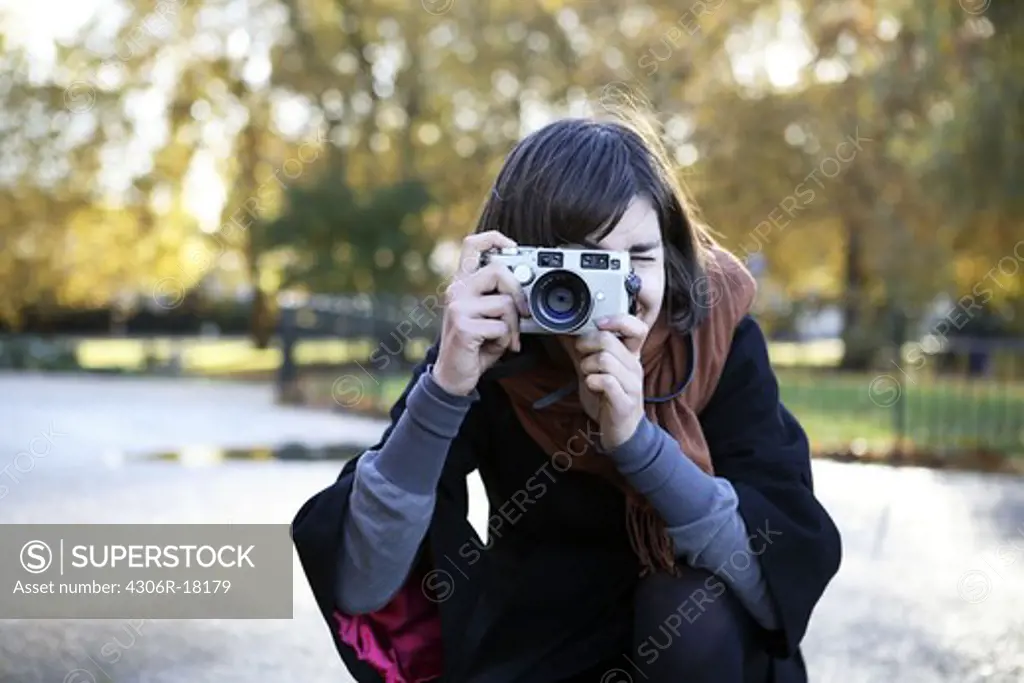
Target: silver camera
x=568 y=288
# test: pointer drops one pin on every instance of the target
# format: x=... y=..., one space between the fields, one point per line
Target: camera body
x=568 y=288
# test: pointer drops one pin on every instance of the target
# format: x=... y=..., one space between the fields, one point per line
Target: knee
x=693 y=622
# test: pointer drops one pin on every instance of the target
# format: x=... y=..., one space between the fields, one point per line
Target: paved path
x=101 y=416
x=931 y=589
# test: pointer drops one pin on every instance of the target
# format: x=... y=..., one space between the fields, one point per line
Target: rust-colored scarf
x=665 y=359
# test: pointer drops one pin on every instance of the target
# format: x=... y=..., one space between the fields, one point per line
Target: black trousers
x=685 y=630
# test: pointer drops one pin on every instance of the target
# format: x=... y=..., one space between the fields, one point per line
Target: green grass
x=217 y=356
x=937 y=414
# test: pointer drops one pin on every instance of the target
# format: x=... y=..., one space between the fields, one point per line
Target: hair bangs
x=590 y=194
x=567 y=183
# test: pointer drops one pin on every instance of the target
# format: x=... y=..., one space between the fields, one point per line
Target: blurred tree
x=351 y=136
x=344 y=241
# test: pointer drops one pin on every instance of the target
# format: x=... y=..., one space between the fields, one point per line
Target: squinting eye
x=643 y=259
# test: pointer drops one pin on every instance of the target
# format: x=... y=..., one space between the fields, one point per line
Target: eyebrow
x=640 y=248
x=644 y=247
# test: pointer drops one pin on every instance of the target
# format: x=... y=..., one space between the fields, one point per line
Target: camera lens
x=560 y=302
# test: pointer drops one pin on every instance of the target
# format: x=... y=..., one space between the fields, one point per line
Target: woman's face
x=639 y=233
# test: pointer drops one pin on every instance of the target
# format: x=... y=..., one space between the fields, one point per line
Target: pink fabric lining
x=402 y=640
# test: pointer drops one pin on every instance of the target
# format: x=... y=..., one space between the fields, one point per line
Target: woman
x=652 y=511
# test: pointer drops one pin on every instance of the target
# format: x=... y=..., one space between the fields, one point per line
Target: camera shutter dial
x=523 y=274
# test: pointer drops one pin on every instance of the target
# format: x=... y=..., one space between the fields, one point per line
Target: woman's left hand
x=610 y=367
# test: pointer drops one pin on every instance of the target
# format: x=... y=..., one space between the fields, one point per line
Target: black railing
x=387 y=330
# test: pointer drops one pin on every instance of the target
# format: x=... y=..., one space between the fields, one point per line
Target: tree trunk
x=261 y=327
x=857 y=337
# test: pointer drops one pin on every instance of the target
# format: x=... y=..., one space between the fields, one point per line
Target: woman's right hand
x=481 y=316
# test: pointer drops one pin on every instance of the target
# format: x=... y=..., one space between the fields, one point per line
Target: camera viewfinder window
x=549 y=259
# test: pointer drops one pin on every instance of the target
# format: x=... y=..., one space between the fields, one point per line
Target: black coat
x=553 y=586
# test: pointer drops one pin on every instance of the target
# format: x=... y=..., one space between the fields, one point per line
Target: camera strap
x=555 y=396
x=691 y=370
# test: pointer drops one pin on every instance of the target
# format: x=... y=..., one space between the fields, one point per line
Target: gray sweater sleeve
x=701 y=513
x=392 y=497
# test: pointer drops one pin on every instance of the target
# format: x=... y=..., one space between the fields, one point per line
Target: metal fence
x=966 y=398
x=385 y=333
x=945 y=397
